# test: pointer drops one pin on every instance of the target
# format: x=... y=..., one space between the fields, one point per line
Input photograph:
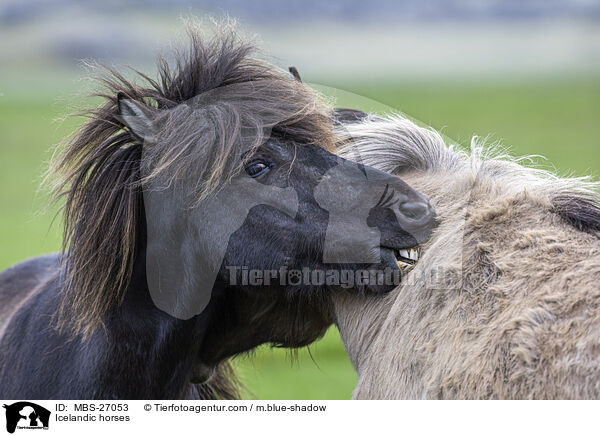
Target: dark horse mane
x=99 y=172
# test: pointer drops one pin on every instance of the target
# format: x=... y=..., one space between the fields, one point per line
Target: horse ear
x=295 y=74
x=136 y=116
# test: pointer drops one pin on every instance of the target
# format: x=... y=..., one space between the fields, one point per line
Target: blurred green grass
x=555 y=118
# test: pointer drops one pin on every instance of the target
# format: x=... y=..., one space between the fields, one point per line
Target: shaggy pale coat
x=505 y=301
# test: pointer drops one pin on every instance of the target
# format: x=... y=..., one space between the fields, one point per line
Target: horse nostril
x=415 y=211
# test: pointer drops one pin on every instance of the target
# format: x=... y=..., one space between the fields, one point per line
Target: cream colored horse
x=505 y=301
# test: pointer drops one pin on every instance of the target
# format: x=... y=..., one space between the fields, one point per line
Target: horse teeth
x=404 y=253
x=402 y=265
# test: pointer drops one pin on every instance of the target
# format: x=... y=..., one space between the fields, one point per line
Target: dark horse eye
x=255 y=169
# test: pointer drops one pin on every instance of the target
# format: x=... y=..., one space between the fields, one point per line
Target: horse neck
x=359 y=319
x=151 y=352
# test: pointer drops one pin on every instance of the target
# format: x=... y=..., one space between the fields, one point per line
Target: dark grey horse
x=189 y=203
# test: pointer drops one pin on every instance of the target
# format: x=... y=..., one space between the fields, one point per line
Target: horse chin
x=301 y=341
x=201 y=373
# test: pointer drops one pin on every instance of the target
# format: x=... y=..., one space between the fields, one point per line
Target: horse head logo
x=26 y=415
